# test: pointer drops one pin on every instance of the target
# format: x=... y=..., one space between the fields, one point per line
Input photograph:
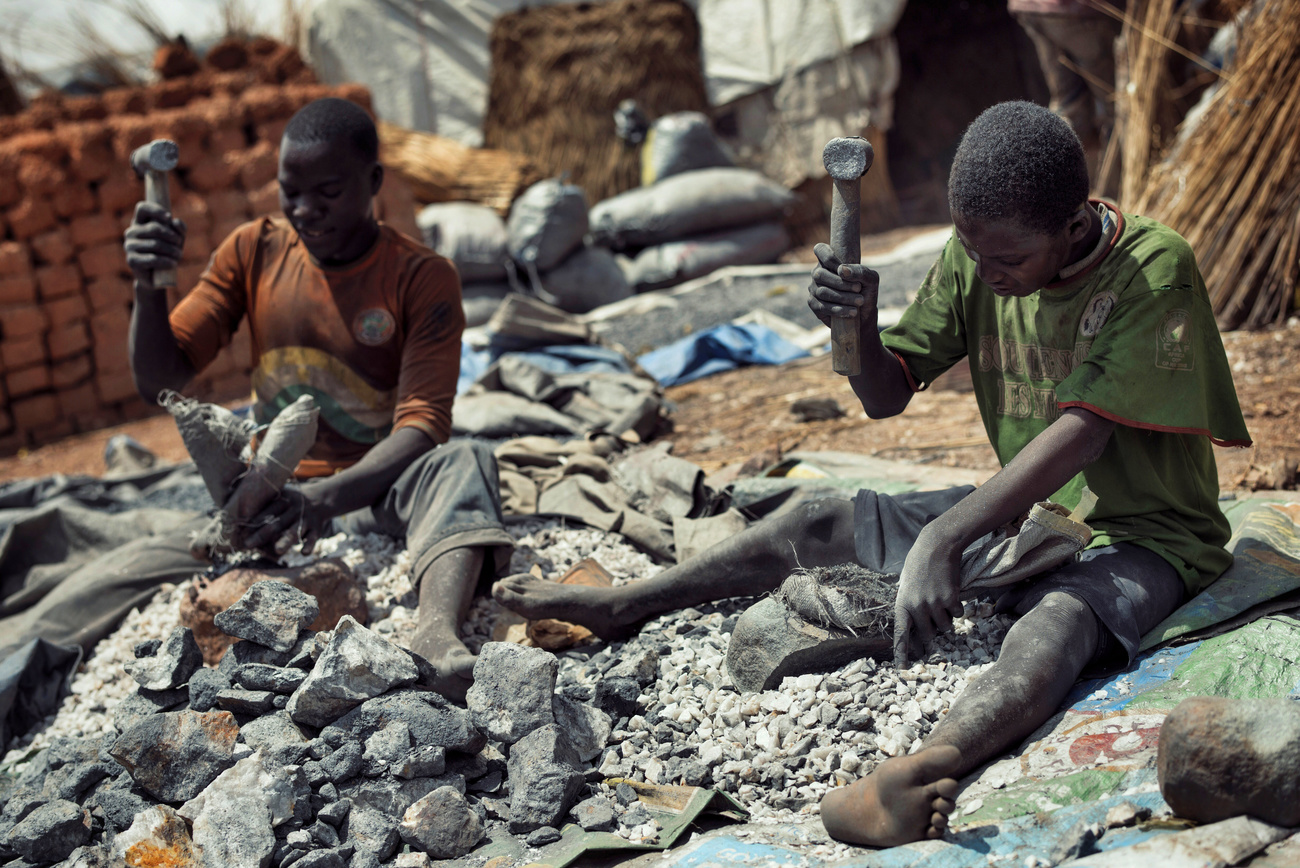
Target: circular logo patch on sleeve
x=1096 y=313
x=373 y=326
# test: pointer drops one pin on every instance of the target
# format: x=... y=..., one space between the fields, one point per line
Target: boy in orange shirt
x=369 y=323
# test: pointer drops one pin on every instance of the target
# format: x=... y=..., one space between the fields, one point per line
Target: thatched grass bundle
x=439 y=169
x=559 y=72
x=1233 y=188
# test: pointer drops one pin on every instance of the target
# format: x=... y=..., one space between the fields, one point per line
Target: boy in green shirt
x=1096 y=360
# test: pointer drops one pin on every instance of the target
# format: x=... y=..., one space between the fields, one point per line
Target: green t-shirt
x=1132 y=339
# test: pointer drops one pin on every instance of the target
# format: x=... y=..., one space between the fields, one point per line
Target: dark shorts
x=1129 y=588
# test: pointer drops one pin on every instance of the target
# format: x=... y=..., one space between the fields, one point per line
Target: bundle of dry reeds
x=1233 y=188
x=559 y=72
x=1148 y=39
x=439 y=169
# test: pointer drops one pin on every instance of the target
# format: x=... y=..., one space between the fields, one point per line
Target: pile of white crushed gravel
x=778 y=751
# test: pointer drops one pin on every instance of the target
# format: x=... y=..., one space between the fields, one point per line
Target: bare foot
x=439 y=645
x=593 y=608
x=905 y=799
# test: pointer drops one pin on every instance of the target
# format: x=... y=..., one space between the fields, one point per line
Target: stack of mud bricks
x=67 y=193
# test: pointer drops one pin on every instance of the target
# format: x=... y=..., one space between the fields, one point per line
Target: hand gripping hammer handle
x=152 y=162
x=847 y=159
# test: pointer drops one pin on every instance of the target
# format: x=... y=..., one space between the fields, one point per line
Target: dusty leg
x=446 y=590
x=909 y=798
x=819 y=533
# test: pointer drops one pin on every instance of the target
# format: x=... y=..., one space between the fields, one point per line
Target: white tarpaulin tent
x=797 y=72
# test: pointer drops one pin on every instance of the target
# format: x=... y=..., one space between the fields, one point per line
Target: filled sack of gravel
x=678 y=261
x=481 y=299
x=685 y=205
x=546 y=224
x=589 y=278
x=470 y=235
x=680 y=142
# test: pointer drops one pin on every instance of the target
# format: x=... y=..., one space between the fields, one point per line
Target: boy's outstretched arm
x=929 y=586
x=154 y=240
x=851 y=291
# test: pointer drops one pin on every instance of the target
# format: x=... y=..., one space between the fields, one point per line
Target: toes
x=943 y=806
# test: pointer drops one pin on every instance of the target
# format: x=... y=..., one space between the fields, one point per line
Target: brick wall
x=67 y=193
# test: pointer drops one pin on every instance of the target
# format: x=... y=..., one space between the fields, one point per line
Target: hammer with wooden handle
x=152 y=162
x=846 y=159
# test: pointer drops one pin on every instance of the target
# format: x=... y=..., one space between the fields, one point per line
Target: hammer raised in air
x=846 y=159
x=152 y=162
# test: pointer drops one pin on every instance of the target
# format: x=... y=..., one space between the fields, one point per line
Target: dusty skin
x=907 y=798
x=578 y=604
x=446 y=591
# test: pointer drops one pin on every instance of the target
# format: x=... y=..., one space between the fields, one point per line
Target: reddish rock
x=331 y=582
x=1219 y=758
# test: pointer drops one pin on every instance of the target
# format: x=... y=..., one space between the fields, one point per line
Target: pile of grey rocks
x=317 y=750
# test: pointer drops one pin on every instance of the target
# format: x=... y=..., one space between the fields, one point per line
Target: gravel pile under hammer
x=778 y=751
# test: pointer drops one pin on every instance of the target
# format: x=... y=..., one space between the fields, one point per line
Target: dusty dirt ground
x=745 y=414
x=741 y=414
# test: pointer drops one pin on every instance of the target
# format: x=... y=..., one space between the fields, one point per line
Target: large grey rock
x=243 y=653
x=204 y=686
x=119 y=805
x=371 y=831
x=545 y=779
x=249 y=702
x=442 y=824
x=771 y=642
x=511 y=694
x=393 y=796
x=158 y=836
x=617 y=697
x=274 y=733
x=385 y=749
x=344 y=763
x=332 y=858
x=260 y=676
x=1222 y=757
x=423 y=761
x=233 y=819
x=595 y=814
x=75 y=767
x=640 y=664
x=356 y=665
x=51 y=832
x=135 y=707
x=100 y=856
x=586 y=727
x=270 y=613
x=175 y=755
x=432 y=720
x=172 y=663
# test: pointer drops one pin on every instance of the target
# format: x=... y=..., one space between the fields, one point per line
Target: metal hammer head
x=847 y=158
x=160 y=155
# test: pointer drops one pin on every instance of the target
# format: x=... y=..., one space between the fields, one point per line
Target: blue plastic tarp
x=566 y=359
x=718 y=349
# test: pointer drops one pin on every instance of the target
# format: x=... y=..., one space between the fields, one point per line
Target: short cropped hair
x=1018 y=161
x=332 y=120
